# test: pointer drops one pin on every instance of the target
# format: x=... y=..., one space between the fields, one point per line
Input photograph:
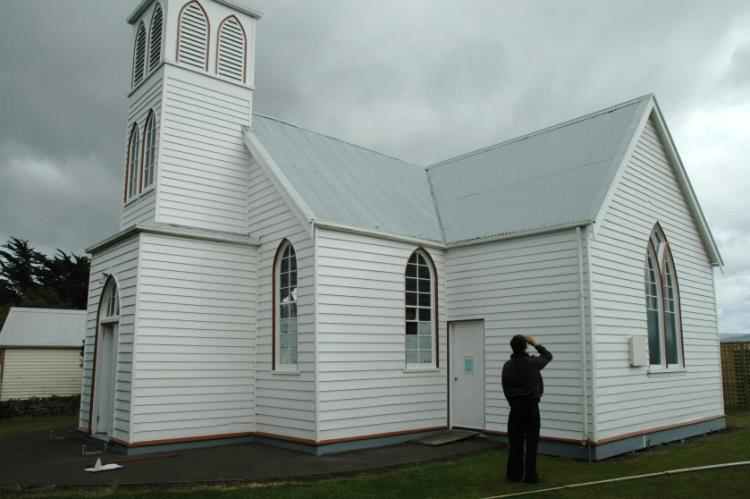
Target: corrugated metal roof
x=347 y=184
x=548 y=178
x=552 y=177
x=43 y=327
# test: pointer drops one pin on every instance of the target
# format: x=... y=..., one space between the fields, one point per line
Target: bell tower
x=190 y=95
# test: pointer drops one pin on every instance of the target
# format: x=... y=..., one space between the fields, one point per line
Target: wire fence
x=735 y=373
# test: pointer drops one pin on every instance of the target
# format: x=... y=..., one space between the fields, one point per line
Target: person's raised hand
x=530 y=340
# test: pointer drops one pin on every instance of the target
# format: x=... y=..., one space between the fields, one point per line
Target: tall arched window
x=149 y=151
x=662 y=303
x=231 y=49
x=285 y=308
x=139 y=55
x=192 y=36
x=154 y=43
x=420 y=304
x=131 y=171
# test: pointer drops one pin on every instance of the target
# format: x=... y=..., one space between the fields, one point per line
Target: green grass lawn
x=17 y=426
x=483 y=475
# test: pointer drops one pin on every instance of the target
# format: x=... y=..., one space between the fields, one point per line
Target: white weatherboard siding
x=203 y=169
x=147 y=97
x=194 y=348
x=40 y=372
x=120 y=260
x=526 y=286
x=362 y=386
x=629 y=399
x=285 y=403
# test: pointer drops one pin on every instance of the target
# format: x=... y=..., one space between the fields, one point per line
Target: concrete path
x=31 y=460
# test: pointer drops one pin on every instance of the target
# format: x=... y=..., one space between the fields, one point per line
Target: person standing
x=523 y=388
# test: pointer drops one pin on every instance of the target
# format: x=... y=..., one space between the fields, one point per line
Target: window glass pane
x=293 y=356
x=424 y=286
x=420 y=259
x=284 y=265
x=411 y=328
x=413 y=258
x=425 y=328
x=425 y=342
x=283 y=312
x=670 y=327
x=654 y=348
x=424 y=272
x=424 y=299
x=411 y=270
x=412 y=356
x=424 y=314
x=411 y=284
x=284 y=280
x=411 y=313
x=284 y=356
x=411 y=298
x=425 y=356
x=412 y=341
x=283 y=341
x=293 y=310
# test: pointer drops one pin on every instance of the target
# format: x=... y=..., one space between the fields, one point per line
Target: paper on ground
x=102 y=467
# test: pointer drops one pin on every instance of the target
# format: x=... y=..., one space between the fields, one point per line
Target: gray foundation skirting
x=625 y=445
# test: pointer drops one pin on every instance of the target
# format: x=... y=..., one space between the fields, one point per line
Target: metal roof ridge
x=548 y=129
x=339 y=140
x=50 y=310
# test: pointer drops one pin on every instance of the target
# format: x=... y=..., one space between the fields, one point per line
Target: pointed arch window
x=149 y=151
x=139 y=54
x=421 y=305
x=154 y=43
x=192 y=36
x=285 y=309
x=231 y=49
x=131 y=170
x=662 y=304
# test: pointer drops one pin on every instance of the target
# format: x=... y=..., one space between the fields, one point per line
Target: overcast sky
x=421 y=80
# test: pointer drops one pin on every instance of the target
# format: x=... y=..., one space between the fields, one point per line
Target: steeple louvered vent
x=154 y=52
x=192 y=47
x=232 y=47
x=139 y=55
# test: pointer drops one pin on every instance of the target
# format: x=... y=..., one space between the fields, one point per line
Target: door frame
x=449 y=370
x=97 y=345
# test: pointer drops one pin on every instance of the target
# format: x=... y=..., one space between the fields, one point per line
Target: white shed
x=269 y=282
x=40 y=352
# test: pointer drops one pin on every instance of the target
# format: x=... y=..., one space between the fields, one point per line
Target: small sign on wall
x=469 y=364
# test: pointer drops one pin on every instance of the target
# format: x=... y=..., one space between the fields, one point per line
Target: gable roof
x=552 y=177
x=555 y=177
x=348 y=184
x=43 y=327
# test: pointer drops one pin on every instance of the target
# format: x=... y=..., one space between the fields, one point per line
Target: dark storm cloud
x=421 y=80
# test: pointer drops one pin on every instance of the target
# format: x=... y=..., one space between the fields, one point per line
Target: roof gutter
x=437 y=244
x=515 y=235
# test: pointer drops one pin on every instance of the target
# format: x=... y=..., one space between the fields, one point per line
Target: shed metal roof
x=43 y=327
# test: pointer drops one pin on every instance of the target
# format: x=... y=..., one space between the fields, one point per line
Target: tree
x=29 y=278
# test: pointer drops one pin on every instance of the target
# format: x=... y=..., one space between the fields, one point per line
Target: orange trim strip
x=146 y=443
x=379 y=435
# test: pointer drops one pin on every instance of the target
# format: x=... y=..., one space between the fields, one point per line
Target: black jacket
x=522 y=379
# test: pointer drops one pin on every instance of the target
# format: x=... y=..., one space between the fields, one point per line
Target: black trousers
x=523 y=427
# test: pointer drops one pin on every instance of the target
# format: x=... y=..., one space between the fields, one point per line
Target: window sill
x=286 y=372
x=658 y=371
x=430 y=369
x=141 y=195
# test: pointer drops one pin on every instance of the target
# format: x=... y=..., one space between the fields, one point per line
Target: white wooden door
x=467 y=374
x=106 y=367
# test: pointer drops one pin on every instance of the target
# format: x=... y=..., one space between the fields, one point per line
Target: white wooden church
x=269 y=283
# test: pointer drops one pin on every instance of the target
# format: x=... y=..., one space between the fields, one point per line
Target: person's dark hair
x=518 y=343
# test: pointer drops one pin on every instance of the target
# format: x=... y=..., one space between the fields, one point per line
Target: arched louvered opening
x=139 y=55
x=148 y=168
x=154 y=43
x=192 y=36
x=131 y=169
x=663 y=318
x=231 y=50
